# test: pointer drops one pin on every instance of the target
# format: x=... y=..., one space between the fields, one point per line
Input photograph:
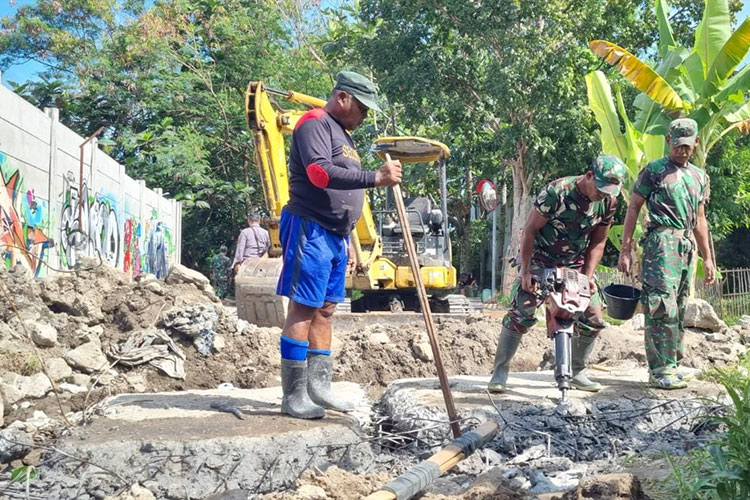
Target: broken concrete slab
x=626 y=416
x=88 y=358
x=15 y=387
x=57 y=369
x=179 y=445
x=182 y=274
x=42 y=334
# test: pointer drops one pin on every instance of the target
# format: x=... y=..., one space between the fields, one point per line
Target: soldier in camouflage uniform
x=567 y=228
x=221 y=272
x=676 y=192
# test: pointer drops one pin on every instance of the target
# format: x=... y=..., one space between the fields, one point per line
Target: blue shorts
x=315 y=261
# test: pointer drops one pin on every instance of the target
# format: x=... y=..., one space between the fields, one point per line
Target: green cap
x=609 y=174
x=360 y=87
x=683 y=131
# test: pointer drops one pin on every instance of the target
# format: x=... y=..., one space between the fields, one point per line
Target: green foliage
x=703 y=77
x=499 y=82
x=168 y=81
x=721 y=470
x=23 y=474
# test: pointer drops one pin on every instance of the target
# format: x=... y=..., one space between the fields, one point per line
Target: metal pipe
x=444 y=208
x=494 y=246
x=80 y=176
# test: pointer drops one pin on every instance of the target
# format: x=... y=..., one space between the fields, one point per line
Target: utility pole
x=494 y=245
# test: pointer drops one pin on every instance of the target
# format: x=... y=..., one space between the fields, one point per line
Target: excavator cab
x=427 y=219
x=428 y=224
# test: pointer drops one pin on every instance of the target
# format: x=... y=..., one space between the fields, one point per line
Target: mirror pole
x=444 y=208
x=494 y=246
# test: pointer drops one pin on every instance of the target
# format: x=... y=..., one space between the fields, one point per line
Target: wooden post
x=426 y=312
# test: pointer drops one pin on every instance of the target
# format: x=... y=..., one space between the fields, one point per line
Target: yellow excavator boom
x=256 y=280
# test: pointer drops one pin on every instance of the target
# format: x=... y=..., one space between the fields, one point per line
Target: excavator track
x=459 y=304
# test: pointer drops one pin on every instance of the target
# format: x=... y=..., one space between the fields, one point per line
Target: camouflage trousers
x=667 y=255
x=522 y=314
x=221 y=287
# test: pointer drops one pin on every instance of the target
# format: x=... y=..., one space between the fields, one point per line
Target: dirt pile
x=382 y=353
x=333 y=484
x=89 y=315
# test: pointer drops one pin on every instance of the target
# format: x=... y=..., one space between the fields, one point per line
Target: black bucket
x=621 y=300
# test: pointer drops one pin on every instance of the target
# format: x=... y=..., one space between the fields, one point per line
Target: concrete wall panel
x=50 y=217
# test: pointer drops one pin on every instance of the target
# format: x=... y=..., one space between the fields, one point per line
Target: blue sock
x=325 y=352
x=294 y=350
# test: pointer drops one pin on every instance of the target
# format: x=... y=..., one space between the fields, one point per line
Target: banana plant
x=699 y=82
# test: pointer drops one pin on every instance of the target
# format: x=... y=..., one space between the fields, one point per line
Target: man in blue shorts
x=326 y=193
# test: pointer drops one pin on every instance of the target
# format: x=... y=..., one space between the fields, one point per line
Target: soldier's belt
x=685 y=233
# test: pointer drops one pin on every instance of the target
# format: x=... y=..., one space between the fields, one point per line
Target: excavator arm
x=269 y=125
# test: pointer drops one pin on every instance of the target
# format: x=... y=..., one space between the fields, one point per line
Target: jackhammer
x=566 y=295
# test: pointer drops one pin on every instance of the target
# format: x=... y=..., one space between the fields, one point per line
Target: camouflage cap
x=683 y=131
x=360 y=87
x=609 y=174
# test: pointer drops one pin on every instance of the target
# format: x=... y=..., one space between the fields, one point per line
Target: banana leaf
x=737 y=113
x=634 y=154
x=615 y=234
x=600 y=102
x=730 y=56
x=653 y=146
x=734 y=88
x=694 y=71
x=640 y=74
x=712 y=32
x=670 y=68
x=666 y=37
x=702 y=117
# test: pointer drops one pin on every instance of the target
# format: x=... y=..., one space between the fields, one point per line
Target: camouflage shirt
x=572 y=218
x=673 y=193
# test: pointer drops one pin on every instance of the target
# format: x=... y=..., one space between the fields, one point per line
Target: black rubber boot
x=506 y=349
x=582 y=345
x=319 y=373
x=296 y=402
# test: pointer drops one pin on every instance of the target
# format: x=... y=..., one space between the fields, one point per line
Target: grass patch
x=22 y=363
x=721 y=469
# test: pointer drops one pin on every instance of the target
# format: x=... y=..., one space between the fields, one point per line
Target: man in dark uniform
x=221 y=272
x=567 y=227
x=326 y=187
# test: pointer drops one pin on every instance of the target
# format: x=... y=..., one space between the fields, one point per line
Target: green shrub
x=721 y=470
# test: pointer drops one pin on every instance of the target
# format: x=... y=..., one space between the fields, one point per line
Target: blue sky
x=23 y=72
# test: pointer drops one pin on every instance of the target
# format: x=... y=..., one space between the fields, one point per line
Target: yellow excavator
x=382 y=274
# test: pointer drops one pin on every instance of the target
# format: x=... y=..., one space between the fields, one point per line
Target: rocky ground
x=69 y=341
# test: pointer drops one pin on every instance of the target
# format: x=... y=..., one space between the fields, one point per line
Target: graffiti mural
x=148 y=247
x=24 y=219
x=131 y=238
x=100 y=234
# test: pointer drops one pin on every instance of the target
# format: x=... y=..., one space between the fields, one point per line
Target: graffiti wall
x=99 y=233
x=51 y=216
x=147 y=246
x=24 y=222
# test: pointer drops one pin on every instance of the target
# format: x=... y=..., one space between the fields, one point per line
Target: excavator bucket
x=255 y=289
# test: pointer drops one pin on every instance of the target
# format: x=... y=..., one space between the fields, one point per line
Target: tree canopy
x=501 y=82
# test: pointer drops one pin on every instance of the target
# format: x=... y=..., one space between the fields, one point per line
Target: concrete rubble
x=167 y=395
